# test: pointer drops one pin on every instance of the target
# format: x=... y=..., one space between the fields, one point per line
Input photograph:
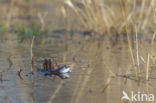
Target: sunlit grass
x=120 y=17
x=110 y=19
x=127 y=17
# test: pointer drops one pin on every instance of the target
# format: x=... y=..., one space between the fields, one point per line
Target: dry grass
x=32 y=55
x=129 y=17
x=124 y=17
x=104 y=18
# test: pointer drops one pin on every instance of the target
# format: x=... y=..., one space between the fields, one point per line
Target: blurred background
x=110 y=46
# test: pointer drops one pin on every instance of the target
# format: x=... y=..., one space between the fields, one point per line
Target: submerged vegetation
x=27 y=32
x=2 y=30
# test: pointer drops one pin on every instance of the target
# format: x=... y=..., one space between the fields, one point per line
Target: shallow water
x=98 y=65
x=91 y=80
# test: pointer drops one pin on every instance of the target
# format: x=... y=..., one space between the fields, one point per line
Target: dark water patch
x=120 y=37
